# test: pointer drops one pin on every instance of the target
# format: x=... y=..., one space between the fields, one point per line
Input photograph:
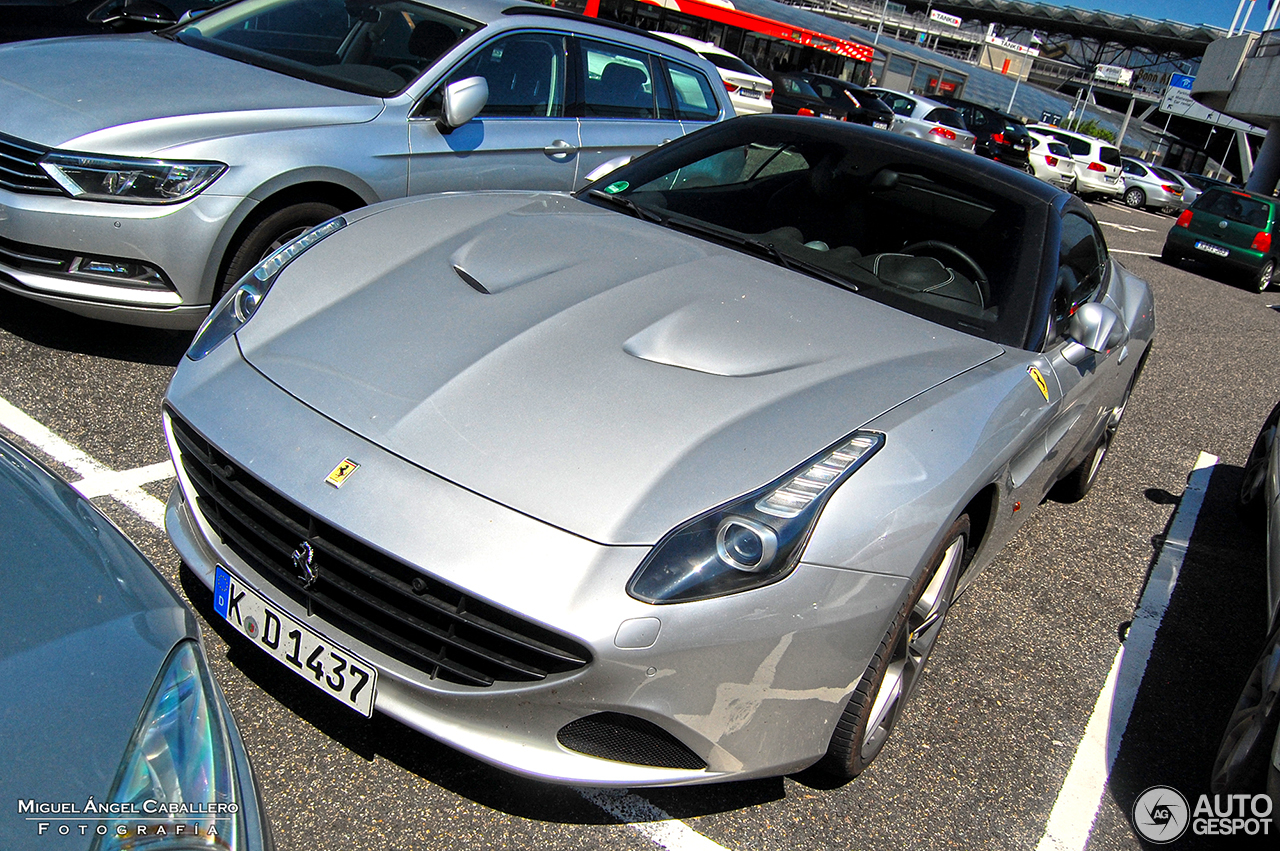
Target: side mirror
x=606 y=167
x=1095 y=328
x=463 y=101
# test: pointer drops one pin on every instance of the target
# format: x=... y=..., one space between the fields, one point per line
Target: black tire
x=1134 y=197
x=896 y=667
x=1075 y=485
x=269 y=233
x=1241 y=764
x=1169 y=256
x=1262 y=278
x=1251 y=498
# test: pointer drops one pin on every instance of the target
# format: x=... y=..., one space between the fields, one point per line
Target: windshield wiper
x=762 y=249
x=642 y=213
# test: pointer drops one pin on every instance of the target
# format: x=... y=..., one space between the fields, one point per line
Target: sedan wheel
x=1135 y=198
x=272 y=232
x=891 y=678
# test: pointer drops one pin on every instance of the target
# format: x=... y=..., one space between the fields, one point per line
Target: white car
x=749 y=90
x=1051 y=161
x=1097 y=162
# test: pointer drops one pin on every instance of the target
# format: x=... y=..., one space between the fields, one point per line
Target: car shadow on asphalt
x=440 y=764
x=52 y=328
x=1207 y=643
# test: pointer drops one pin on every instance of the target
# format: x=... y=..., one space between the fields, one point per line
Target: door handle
x=559 y=148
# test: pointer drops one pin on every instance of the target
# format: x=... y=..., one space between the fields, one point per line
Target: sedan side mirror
x=463 y=101
x=1095 y=328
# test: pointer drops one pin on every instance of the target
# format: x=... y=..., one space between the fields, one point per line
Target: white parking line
x=639 y=814
x=1076 y=807
x=99 y=480
x=1127 y=228
x=123 y=486
x=1122 y=251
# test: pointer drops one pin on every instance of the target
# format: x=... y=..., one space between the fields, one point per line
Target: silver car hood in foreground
x=611 y=394
x=61 y=92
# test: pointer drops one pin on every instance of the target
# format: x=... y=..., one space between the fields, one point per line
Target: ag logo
x=1160 y=815
x=1040 y=382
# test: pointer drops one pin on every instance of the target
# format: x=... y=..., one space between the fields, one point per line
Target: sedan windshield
x=365 y=46
x=921 y=236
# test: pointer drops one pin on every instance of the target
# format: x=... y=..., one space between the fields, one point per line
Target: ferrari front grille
x=363 y=592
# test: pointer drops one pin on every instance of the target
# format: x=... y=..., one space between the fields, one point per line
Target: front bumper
x=752 y=683
x=44 y=236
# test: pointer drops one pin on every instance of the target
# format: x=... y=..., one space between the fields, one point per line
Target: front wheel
x=1135 y=198
x=271 y=232
x=891 y=678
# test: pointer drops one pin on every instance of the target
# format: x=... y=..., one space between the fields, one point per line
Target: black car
x=27 y=19
x=792 y=95
x=1000 y=137
x=860 y=105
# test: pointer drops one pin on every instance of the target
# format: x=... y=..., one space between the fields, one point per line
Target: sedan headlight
x=178 y=766
x=241 y=302
x=127 y=180
x=752 y=541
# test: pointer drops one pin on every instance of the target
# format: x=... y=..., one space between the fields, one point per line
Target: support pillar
x=1266 y=169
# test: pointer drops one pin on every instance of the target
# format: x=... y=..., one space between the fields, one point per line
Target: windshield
x=915 y=237
x=364 y=46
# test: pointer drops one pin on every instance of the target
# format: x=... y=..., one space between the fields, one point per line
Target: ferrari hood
x=138 y=94
x=600 y=373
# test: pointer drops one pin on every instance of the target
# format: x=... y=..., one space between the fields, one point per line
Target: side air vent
x=625 y=738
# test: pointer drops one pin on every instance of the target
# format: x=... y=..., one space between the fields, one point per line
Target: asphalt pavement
x=998 y=727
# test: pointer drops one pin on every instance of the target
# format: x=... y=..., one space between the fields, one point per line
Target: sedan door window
x=618 y=82
x=525 y=73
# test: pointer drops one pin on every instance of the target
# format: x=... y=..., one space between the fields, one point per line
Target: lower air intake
x=625 y=738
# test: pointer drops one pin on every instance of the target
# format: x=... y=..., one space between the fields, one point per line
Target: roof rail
x=552 y=12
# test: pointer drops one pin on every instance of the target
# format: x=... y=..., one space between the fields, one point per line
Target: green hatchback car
x=1229 y=229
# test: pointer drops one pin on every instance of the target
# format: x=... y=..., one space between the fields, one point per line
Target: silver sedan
x=143 y=175
x=672 y=480
x=922 y=118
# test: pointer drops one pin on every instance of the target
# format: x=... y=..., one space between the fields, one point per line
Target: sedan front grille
x=20 y=169
x=367 y=594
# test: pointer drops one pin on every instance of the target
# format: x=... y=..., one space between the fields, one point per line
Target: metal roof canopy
x=1087 y=38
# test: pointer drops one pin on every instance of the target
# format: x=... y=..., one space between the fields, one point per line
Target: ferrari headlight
x=127 y=180
x=752 y=541
x=241 y=301
x=178 y=767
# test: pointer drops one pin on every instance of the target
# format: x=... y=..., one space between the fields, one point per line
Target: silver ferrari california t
x=671 y=480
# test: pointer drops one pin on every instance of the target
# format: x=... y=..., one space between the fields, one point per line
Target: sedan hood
x=600 y=373
x=138 y=94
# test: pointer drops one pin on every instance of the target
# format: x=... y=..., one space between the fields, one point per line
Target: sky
x=1216 y=13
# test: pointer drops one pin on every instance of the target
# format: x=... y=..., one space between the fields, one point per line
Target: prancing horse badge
x=342 y=472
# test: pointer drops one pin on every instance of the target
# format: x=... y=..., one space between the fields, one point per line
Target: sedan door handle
x=559 y=148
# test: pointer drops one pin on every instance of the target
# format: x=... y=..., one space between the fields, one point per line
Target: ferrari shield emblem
x=342 y=472
x=1035 y=376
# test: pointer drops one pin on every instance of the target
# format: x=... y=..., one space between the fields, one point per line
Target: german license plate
x=327 y=666
x=832 y=117
x=1111 y=179
x=1216 y=250
x=749 y=93
x=880 y=125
